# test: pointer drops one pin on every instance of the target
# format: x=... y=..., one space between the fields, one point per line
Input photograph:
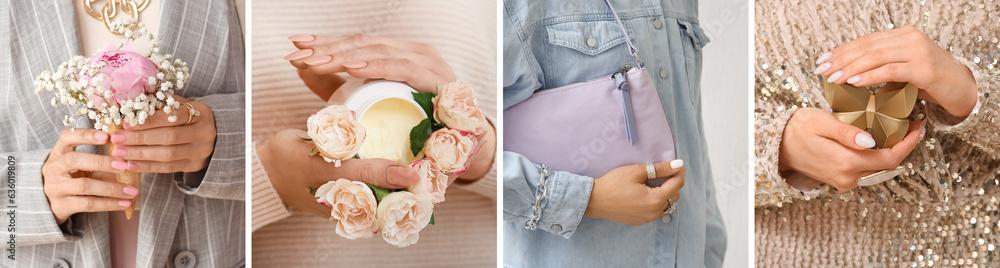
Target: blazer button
x=591 y=42
x=556 y=228
x=60 y=263
x=666 y=218
x=185 y=259
x=657 y=23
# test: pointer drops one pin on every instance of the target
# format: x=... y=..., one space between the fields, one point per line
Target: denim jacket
x=549 y=44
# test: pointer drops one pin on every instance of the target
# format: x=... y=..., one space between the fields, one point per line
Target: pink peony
x=126 y=75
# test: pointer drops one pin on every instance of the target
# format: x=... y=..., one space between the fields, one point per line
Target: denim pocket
x=583 y=50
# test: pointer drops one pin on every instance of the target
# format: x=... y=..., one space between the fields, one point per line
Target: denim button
x=591 y=42
x=60 y=263
x=556 y=228
x=663 y=73
x=666 y=218
x=185 y=259
x=657 y=23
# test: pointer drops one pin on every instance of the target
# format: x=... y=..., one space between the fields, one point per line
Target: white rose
x=352 y=205
x=401 y=216
x=455 y=106
x=336 y=133
x=450 y=149
x=432 y=181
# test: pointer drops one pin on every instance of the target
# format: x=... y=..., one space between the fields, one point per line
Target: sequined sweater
x=943 y=209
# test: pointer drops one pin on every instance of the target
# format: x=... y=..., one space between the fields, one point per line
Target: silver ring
x=650 y=172
x=671 y=206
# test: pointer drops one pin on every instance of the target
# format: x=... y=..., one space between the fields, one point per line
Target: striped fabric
x=465 y=34
x=201 y=213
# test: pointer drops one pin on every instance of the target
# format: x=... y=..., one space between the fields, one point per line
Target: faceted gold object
x=881 y=112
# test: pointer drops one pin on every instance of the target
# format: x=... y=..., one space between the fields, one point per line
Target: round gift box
x=373 y=92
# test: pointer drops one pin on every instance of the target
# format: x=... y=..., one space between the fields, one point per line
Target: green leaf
x=426 y=101
x=312 y=191
x=432 y=218
x=419 y=135
x=314 y=151
x=379 y=192
x=306 y=139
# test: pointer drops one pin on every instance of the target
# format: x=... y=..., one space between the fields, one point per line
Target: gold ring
x=192 y=113
x=879 y=177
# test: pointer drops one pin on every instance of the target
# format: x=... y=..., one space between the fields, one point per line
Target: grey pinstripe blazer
x=198 y=214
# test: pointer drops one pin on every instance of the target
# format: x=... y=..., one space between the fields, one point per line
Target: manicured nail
x=923 y=130
x=676 y=163
x=399 y=175
x=119 y=165
x=854 y=79
x=319 y=60
x=118 y=138
x=864 y=140
x=132 y=167
x=132 y=191
x=124 y=203
x=101 y=136
x=822 y=68
x=355 y=65
x=824 y=57
x=119 y=152
x=298 y=55
x=302 y=38
x=835 y=76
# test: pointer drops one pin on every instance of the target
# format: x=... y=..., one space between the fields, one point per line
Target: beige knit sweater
x=943 y=209
x=465 y=34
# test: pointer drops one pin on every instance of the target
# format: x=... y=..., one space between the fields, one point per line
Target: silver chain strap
x=536 y=211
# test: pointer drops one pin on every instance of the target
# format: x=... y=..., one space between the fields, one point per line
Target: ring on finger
x=650 y=172
x=879 y=177
x=671 y=206
x=192 y=113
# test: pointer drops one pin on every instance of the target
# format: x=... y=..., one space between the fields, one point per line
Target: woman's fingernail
x=118 y=138
x=822 y=68
x=864 y=140
x=923 y=130
x=119 y=152
x=298 y=55
x=302 y=38
x=319 y=60
x=835 y=76
x=824 y=57
x=132 y=167
x=129 y=190
x=676 y=163
x=854 y=79
x=119 y=165
x=400 y=175
x=355 y=65
x=124 y=203
x=101 y=136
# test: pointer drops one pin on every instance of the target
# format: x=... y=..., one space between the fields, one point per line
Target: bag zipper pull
x=623 y=87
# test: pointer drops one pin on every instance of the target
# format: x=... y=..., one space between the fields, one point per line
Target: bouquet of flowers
x=117 y=86
x=448 y=139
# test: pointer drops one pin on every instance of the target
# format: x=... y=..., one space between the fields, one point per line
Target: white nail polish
x=676 y=163
x=824 y=57
x=923 y=130
x=822 y=68
x=854 y=79
x=835 y=76
x=863 y=140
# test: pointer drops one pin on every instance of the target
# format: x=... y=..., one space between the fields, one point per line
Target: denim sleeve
x=521 y=71
x=566 y=196
x=715 y=229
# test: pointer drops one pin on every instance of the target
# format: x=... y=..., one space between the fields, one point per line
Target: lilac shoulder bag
x=592 y=127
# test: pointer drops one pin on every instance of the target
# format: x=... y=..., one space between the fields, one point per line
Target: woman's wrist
x=484 y=161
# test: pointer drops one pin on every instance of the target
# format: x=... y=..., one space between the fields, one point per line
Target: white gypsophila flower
x=172 y=118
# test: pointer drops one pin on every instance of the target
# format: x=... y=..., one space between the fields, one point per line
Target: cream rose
x=450 y=149
x=353 y=207
x=455 y=106
x=336 y=133
x=432 y=181
x=401 y=216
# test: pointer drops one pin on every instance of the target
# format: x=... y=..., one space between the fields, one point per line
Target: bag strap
x=628 y=39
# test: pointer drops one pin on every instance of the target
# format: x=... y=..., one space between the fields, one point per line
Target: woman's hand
x=321 y=58
x=904 y=55
x=161 y=146
x=819 y=146
x=80 y=182
x=292 y=171
x=621 y=195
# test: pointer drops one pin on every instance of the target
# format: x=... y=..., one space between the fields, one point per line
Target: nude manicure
x=822 y=68
x=864 y=140
x=854 y=79
x=355 y=65
x=824 y=57
x=835 y=76
x=319 y=60
x=298 y=55
x=302 y=38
